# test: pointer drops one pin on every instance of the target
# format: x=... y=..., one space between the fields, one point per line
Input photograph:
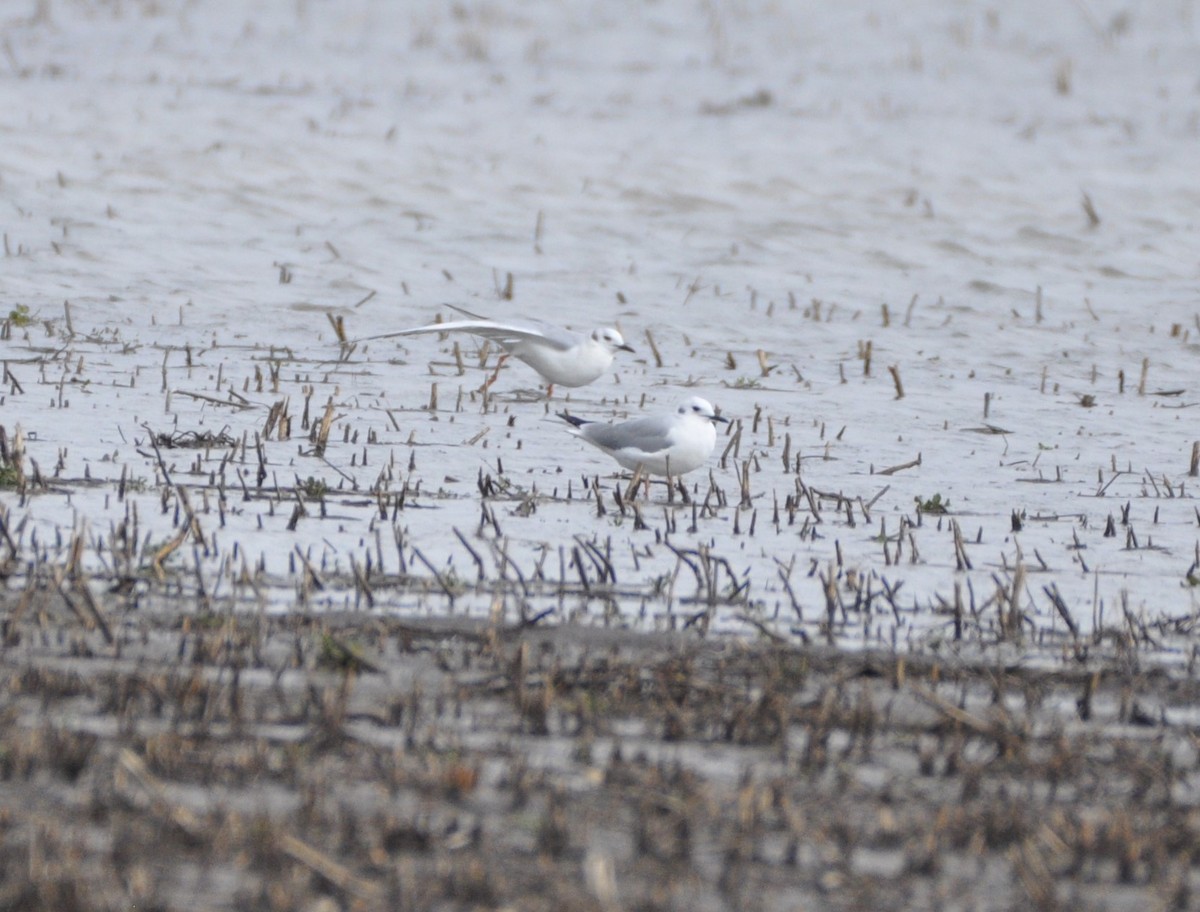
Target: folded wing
x=646 y=435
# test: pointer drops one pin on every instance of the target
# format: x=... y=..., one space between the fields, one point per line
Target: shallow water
x=203 y=184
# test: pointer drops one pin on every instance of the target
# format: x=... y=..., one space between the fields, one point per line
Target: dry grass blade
x=1001 y=730
x=130 y=764
x=190 y=526
x=892 y=470
x=234 y=399
x=334 y=872
x=170 y=547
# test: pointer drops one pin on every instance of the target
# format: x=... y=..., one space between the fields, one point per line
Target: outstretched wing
x=508 y=333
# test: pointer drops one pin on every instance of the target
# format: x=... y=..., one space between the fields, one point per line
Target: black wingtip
x=572 y=419
x=464 y=311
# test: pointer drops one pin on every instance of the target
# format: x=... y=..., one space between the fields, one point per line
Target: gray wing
x=650 y=435
x=507 y=334
x=560 y=338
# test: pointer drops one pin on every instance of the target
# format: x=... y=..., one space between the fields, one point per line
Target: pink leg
x=487 y=384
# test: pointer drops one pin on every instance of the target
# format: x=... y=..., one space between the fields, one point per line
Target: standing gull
x=663 y=445
x=559 y=355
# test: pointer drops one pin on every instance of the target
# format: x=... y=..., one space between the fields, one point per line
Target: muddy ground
x=158 y=759
x=922 y=637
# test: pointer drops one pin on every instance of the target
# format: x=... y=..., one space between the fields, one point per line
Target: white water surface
x=203 y=182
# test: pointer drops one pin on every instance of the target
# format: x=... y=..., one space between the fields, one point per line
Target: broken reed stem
x=10 y=379
x=658 y=362
x=277 y=415
x=132 y=766
x=339 y=327
x=361 y=585
x=333 y=871
x=894 y=370
x=968 y=720
x=735 y=441
x=892 y=470
x=441 y=580
x=960 y=549
x=91 y=619
x=309 y=569
x=1142 y=381
x=1060 y=606
x=763 y=366
x=600 y=511
x=787 y=587
x=13 y=457
x=321 y=437
x=1011 y=621
x=631 y=489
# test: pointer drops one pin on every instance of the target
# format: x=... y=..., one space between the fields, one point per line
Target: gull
x=662 y=445
x=559 y=355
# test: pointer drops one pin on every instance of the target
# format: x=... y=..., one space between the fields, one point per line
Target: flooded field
x=292 y=620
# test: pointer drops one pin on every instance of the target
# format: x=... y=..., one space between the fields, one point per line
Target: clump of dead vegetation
x=367 y=763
